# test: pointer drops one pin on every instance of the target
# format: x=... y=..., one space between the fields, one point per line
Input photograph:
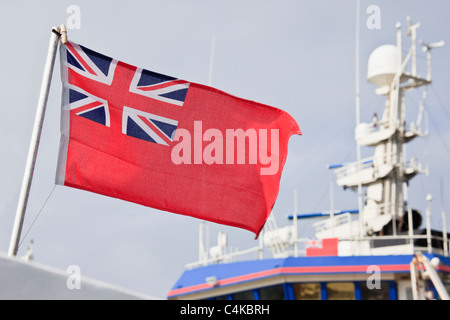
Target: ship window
x=375 y=294
x=272 y=293
x=341 y=291
x=244 y=295
x=307 y=291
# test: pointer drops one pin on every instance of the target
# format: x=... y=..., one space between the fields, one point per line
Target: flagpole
x=34 y=144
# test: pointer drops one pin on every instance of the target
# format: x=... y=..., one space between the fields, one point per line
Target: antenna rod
x=295 y=223
x=357 y=104
x=444 y=221
x=34 y=145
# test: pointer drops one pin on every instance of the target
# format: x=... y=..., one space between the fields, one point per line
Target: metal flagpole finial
x=63 y=31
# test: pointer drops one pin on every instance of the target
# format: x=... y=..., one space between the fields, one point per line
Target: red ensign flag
x=169 y=144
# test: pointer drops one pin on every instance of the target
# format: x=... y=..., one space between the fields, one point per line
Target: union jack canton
x=94 y=96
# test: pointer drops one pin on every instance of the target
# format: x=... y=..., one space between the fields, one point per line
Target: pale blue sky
x=295 y=55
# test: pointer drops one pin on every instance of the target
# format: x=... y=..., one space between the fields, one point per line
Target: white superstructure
x=386 y=174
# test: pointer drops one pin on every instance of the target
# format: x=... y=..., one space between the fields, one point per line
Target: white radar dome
x=382 y=65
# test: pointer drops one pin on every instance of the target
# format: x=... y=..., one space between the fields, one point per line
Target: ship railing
x=227 y=257
x=297 y=248
x=343 y=170
x=438 y=244
x=413 y=166
x=284 y=242
x=332 y=222
x=433 y=243
x=290 y=249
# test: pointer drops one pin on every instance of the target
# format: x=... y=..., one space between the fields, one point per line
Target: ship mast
x=393 y=184
x=394 y=145
x=386 y=174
